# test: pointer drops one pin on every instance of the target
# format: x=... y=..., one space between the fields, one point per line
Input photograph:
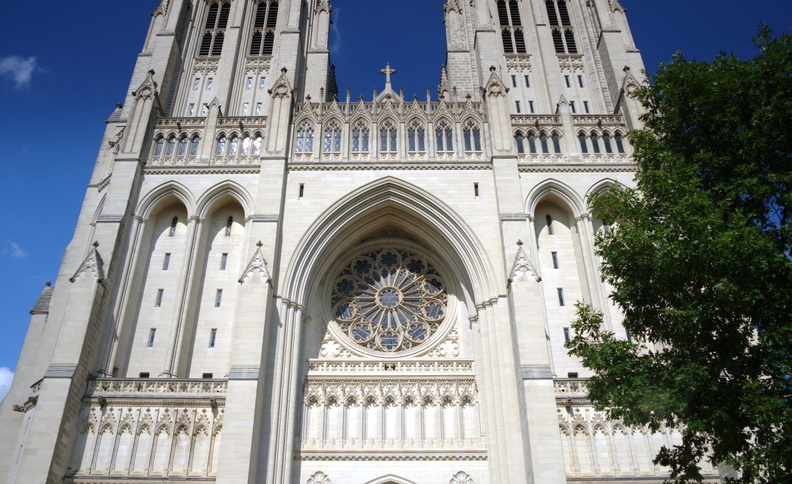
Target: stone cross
x=388 y=71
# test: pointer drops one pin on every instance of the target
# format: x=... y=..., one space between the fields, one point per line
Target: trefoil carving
x=319 y=478
x=461 y=478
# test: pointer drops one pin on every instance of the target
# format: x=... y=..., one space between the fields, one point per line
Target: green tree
x=700 y=261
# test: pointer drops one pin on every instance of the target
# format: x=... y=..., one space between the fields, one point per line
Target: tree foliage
x=700 y=261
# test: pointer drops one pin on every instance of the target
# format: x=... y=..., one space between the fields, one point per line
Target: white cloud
x=6 y=375
x=335 y=33
x=18 y=69
x=14 y=250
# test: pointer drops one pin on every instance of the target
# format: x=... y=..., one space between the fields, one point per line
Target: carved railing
x=572 y=388
x=156 y=388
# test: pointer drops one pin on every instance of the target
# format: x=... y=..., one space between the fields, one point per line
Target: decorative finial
x=519 y=242
x=96 y=243
x=48 y=284
x=259 y=244
x=492 y=69
x=284 y=70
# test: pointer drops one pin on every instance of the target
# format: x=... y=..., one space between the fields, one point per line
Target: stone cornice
x=374 y=165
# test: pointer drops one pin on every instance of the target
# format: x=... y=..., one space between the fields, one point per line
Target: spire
x=442 y=89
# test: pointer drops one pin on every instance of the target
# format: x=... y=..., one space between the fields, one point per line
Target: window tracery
x=445 y=137
x=360 y=138
x=416 y=137
x=304 y=142
x=388 y=137
x=389 y=300
x=332 y=138
x=472 y=137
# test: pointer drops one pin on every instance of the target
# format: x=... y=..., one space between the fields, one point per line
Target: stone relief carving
x=523 y=266
x=256 y=267
x=319 y=478
x=93 y=264
x=461 y=478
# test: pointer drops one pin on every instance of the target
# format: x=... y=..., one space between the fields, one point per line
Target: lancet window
x=305 y=135
x=214 y=29
x=606 y=141
x=445 y=137
x=388 y=137
x=332 y=138
x=472 y=136
x=416 y=137
x=511 y=27
x=561 y=27
x=360 y=138
x=264 y=24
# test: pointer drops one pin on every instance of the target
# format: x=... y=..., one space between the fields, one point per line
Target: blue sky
x=64 y=68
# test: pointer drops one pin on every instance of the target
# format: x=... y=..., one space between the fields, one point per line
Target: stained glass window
x=389 y=300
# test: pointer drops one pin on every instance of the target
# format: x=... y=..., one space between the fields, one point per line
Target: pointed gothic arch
x=390 y=202
x=154 y=199
x=390 y=479
x=561 y=190
x=226 y=189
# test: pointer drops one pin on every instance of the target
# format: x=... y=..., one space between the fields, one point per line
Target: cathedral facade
x=273 y=282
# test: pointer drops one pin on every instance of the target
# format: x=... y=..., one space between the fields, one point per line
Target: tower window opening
x=549 y=221
x=517 y=107
x=580 y=81
x=555 y=259
x=212 y=339
x=586 y=107
x=152 y=335
x=527 y=81
x=531 y=107
x=158 y=300
x=561 y=25
x=566 y=80
x=263 y=38
x=302 y=189
x=514 y=81
x=223 y=261
x=476 y=189
x=511 y=27
x=561 y=297
x=214 y=29
x=572 y=107
x=172 y=230
x=566 y=335
x=166 y=261
x=229 y=225
x=218 y=298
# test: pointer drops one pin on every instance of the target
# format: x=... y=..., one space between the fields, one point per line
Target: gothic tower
x=271 y=282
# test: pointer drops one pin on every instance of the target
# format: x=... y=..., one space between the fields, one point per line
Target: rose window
x=389 y=300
